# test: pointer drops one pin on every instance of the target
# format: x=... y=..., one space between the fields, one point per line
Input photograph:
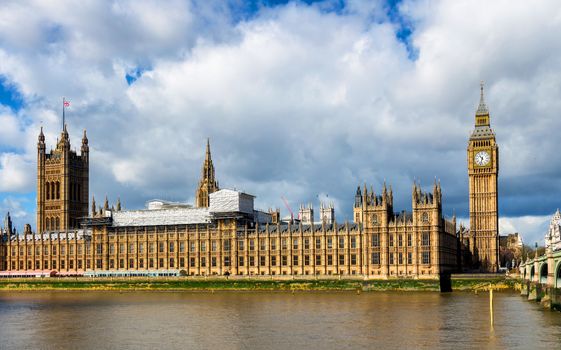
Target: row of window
x=75 y=191
x=48 y=249
x=171 y=246
x=375 y=260
x=375 y=222
x=296 y=243
x=425 y=240
x=52 y=265
x=52 y=224
x=52 y=190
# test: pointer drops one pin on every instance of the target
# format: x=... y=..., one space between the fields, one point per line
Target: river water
x=239 y=320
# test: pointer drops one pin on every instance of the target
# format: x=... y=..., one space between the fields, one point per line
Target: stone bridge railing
x=545 y=269
x=542 y=278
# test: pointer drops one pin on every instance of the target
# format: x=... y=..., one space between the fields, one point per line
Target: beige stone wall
x=49 y=252
x=483 y=204
x=214 y=250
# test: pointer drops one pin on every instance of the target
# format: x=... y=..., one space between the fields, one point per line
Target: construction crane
x=288 y=207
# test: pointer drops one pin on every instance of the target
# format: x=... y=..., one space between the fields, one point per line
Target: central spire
x=482 y=108
x=208 y=167
x=207 y=183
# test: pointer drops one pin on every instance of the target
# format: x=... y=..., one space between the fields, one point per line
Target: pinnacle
x=482 y=108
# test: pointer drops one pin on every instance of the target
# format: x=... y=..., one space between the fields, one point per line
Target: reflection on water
x=230 y=320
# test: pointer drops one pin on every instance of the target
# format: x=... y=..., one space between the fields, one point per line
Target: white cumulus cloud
x=298 y=100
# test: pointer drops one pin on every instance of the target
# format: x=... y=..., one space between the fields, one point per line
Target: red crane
x=288 y=207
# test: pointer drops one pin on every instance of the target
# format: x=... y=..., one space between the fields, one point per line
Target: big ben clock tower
x=483 y=171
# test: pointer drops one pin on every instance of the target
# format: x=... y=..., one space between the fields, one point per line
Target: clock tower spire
x=483 y=171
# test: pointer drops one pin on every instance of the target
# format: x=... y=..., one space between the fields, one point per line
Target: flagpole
x=63 y=121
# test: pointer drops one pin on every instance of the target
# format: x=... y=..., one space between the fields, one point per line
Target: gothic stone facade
x=225 y=235
x=483 y=171
x=405 y=245
x=418 y=243
x=62 y=184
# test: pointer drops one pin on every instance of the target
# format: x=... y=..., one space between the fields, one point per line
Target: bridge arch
x=558 y=276
x=543 y=273
x=532 y=273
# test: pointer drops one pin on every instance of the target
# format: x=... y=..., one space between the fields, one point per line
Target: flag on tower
x=64 y=105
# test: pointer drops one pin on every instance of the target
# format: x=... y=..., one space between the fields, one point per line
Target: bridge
x=542 y=275
x=542 y=278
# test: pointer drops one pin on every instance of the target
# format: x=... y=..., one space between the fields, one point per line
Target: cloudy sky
x=304 y=100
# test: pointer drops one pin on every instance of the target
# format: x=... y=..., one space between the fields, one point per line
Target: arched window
x=47 y=191
x=47 y=224
x=52 y=190
x=57 y=190
x=57 y=223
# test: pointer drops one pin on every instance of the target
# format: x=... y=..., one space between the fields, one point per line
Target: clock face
x=482 y=158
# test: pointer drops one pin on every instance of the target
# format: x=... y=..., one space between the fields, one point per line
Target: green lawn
x=192 y=284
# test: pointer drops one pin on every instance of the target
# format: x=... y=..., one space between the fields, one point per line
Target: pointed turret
x=358 y=197
x=454 y=218
x=94 y=213
x=64 y=135
x=208 y=183
x=118 y=204
x=40 y=151
x=64 y=142
x=85 y=146
x=8 y=227
x=106 y=204
x=41 y=137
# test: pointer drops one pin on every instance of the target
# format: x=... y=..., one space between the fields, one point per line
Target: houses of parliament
x=223 y=234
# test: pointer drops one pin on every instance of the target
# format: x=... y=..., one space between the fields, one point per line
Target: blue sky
x=9 y=95
x=304 y=100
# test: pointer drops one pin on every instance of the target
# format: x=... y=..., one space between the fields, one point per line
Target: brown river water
x=258 y=320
